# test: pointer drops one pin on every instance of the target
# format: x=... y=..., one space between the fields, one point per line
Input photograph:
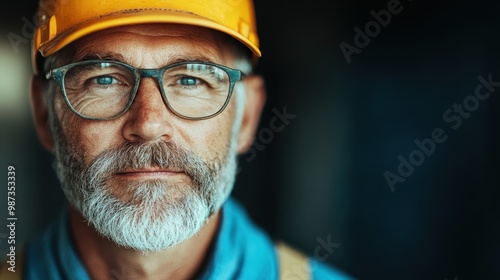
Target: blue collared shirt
x=241 y=251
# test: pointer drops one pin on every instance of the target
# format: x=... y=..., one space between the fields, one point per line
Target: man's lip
x=150 y=171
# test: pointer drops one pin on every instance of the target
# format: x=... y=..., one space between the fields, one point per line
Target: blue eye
x=188 y=81
x=104 y=80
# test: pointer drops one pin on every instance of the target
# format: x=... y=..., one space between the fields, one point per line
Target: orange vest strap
x=6 y=274
x=293 y=265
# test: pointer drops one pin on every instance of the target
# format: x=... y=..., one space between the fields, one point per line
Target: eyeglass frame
x=59 y=73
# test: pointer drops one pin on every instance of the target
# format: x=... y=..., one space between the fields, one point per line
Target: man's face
x=148 y=179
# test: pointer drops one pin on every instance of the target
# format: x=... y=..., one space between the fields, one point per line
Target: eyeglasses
x=105 y=89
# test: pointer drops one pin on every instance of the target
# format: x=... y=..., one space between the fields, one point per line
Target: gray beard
x=155 y=214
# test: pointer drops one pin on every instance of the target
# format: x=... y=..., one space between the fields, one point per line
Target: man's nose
x=148 y=118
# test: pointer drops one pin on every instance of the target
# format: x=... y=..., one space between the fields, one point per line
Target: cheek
x=96 y=138
x=211 y=138
x=88 y=138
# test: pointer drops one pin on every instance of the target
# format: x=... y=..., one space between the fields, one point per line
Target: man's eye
x=188 y=81
x=105 y=80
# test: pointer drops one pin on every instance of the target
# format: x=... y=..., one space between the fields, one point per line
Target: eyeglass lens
x=105 y=89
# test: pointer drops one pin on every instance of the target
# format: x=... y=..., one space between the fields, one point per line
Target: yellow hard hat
x=64 y=21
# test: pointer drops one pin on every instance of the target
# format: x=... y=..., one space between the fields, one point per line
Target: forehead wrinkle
x=174 y=58
x=148 y=47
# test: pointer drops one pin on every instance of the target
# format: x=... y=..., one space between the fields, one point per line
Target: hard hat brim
x=139 y=17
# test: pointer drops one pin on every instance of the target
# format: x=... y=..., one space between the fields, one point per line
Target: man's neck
x=103 y=259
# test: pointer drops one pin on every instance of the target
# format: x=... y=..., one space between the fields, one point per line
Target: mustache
x=135 y=155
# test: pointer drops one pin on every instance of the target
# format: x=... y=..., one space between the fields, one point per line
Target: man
x=146 y=105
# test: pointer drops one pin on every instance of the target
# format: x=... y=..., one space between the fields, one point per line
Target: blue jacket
x=242 y=251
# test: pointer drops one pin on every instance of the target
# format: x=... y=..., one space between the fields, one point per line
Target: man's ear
x=254 y=103
x=40 y=113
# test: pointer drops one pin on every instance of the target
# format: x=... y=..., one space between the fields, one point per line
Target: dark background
x=322 y=176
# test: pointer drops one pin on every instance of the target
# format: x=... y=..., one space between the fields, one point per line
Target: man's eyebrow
x=119 y=57
x=200 y=58
x=104 y=56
